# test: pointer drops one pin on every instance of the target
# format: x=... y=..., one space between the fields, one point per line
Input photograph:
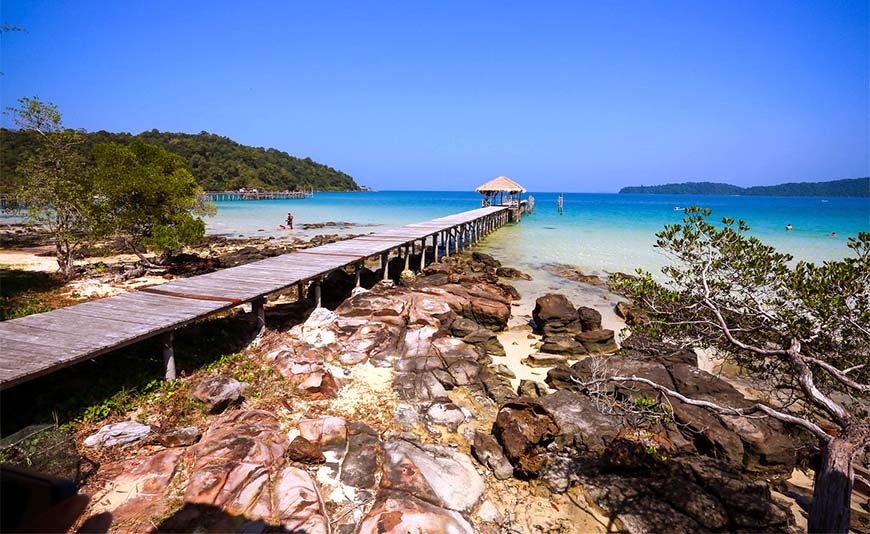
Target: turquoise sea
x=598 y=233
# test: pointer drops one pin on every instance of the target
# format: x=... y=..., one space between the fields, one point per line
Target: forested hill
x=852 y=187
x=217 y=162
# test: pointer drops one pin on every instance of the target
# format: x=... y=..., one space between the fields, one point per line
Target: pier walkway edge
x=40 y=344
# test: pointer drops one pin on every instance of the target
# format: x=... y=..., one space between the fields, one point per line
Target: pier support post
x=435 y=246
x=169 y=354
x=447 y=243
x=258 y=307
x=317 y=294
x=407 y=257
x=300 y=291
x=423 y=255
x=385 y=262
x=359 y=268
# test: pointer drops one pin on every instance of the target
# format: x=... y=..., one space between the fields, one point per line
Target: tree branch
x=724 y=410
x=840 y=375
x=805 y=379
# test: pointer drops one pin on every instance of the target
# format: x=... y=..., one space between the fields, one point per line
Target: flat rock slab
x=118 y=434
x=399 y=512
x=434 y=473
x=540 y=359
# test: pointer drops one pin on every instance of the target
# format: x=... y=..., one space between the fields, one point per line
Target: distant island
x=852 y=187
x=218 y=163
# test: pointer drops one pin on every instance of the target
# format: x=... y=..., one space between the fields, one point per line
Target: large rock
x=217 y=393
x=590 y=318
x=581 y=423
x=512 y=274
x=563 y=345
x=180 y=437
x=525 y=428
x=137 y=489
x=398 y=512
x=435 y=473
x=555 y=315
x=757 y=445
x=598 y=341
x=485 y=259
x=118 y=434
x=239 y=467
x=540 y=359
x=688 y=495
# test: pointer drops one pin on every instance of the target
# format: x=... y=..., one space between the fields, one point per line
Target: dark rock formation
x=555 y=315
x=218 y=392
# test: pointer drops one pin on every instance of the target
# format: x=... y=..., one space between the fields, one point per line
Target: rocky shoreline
x=406 y=408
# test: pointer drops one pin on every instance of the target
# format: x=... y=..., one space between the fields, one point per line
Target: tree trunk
x=65 y=261
x=833 y=488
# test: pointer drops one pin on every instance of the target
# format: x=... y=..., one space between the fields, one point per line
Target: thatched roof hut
x=495 y=190
x=502 y=184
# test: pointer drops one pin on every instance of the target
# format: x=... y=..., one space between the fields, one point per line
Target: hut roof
x=501 y=184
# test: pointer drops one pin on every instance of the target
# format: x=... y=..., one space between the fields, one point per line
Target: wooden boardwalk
x=39 y=344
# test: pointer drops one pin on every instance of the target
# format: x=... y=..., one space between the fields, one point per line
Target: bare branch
x=724 y=410
x=840 y=375
x=805 y=379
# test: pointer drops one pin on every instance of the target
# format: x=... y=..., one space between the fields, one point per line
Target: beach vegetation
x=54 y=181
x=148 y=199
x=800 y=330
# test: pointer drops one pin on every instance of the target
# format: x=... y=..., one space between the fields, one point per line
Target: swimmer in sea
x=788 y=228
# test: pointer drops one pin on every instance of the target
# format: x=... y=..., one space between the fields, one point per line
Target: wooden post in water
x=169 y=355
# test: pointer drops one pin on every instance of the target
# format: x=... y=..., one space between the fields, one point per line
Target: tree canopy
x=799 y=329
x=216 y=162
x=139 y=194
x=147 y=197
x=54 y=181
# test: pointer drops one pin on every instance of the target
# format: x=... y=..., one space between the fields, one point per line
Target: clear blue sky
x=571 y=96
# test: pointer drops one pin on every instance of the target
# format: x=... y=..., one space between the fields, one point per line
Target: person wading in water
x=290 y=220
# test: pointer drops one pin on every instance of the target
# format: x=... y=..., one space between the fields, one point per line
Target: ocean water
x=598 y=233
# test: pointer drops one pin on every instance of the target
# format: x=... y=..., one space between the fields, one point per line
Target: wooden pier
x=257 y=195
x=39 y=344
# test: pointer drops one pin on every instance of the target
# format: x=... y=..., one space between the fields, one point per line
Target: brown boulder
x=302 y=450
x=564 y=345
x=524 y=428
x=635 y=448
x=590 y=318
x=598 y=341
x=554 y=314
x=511 y=273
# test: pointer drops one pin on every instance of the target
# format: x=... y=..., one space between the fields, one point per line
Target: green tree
x=798 y=328
x=148 y=198
x=55 y=183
